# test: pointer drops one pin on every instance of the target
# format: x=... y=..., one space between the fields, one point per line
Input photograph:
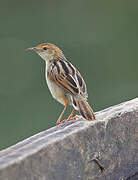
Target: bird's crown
x=49 y=48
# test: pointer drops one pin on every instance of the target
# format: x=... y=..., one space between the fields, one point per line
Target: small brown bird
x=64 y=82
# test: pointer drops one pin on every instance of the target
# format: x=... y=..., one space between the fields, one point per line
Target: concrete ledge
x=77 y=149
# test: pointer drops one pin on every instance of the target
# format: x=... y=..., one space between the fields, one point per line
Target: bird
x=65 y=82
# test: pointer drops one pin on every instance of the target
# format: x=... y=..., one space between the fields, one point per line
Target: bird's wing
x=68 y=78
x=82 y=85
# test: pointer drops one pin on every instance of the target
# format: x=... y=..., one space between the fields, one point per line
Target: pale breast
x=57 y=92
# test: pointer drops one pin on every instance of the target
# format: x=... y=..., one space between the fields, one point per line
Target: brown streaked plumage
x=64 y=81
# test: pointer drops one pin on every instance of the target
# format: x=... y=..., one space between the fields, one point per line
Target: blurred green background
x=98 y=37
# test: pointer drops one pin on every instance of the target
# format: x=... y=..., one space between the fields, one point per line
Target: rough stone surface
x=66 y=152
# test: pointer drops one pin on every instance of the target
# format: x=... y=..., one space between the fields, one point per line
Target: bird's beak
x=33 y=49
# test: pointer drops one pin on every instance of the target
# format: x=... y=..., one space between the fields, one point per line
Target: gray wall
x=105 y=149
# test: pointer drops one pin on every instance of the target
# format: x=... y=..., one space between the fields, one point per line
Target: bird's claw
x=66 y=120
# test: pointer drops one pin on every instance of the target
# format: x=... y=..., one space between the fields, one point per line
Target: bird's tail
x=85 y=110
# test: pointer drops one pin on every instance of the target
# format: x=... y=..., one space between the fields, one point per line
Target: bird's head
x=47 y=51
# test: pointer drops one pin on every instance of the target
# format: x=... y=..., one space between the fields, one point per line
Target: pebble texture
x=76 y=150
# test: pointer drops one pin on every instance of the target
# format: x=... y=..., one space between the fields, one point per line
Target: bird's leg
x=70 y=116
x=60 y=117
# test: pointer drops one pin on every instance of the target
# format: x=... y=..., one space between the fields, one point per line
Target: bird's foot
x=71 y=118
x=61 y=122
x=66 y=120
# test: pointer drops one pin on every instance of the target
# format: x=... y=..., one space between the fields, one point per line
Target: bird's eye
x=45 y=48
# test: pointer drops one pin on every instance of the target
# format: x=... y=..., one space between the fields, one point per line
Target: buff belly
x=57 y=92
